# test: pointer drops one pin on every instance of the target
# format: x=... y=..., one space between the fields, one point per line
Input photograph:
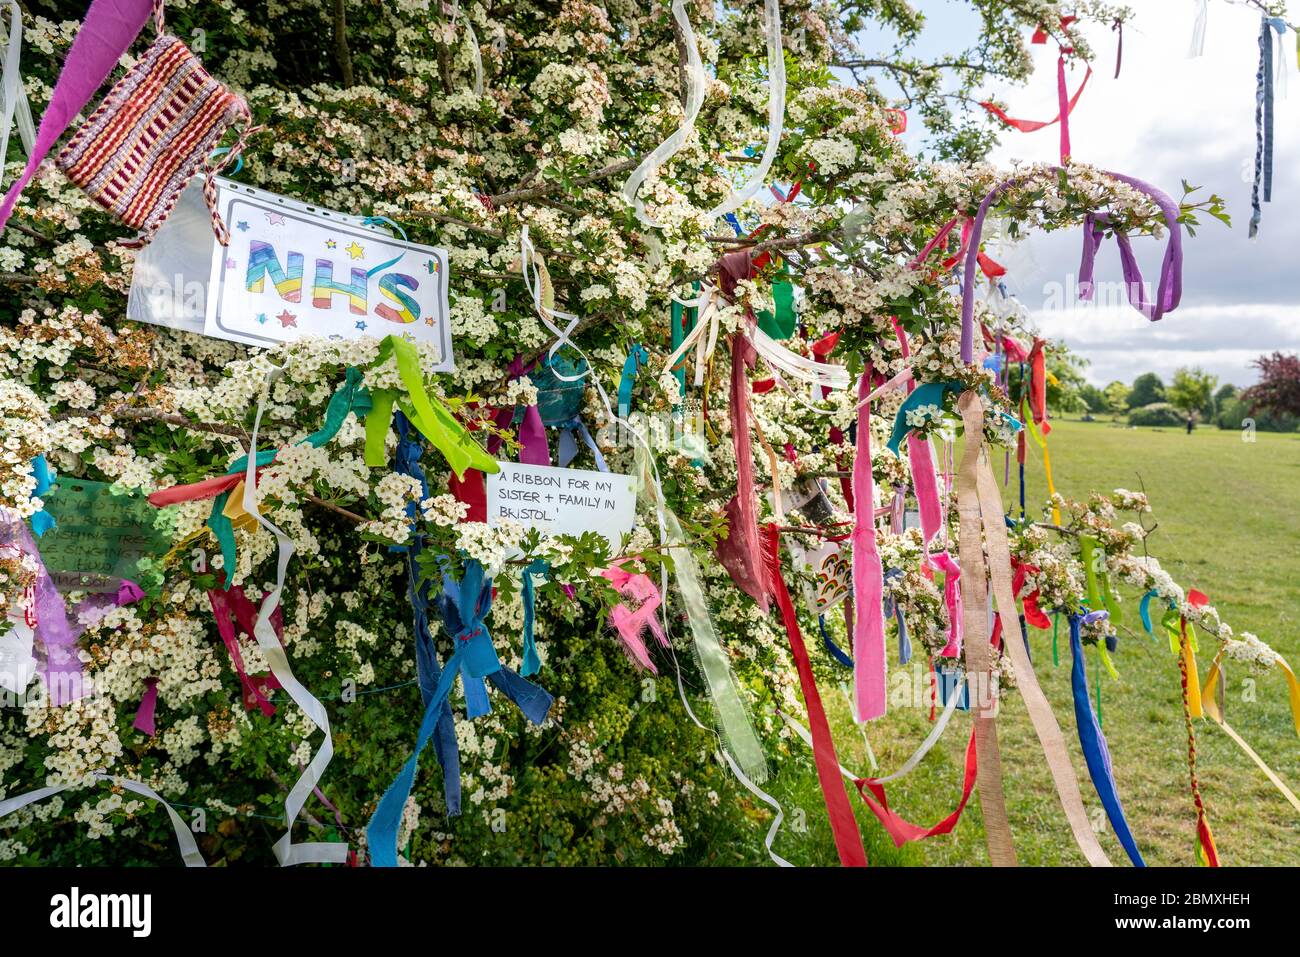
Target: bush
x=1235 y=412
x=1157 y=413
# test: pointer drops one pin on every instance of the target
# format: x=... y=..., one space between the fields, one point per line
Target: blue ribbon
x=835 y=650
x=637 y=357
x=384 y=221
x=464 y=605
x=1144 y=610
x=42 y=521
x=406 y=461
x=1264 y=119
x=567 y=446
x=734 y=223
x=930 y=393
x=1095 y=751
x=950 y=682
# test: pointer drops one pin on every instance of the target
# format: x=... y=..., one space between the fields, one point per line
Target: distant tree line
x=1273 y=403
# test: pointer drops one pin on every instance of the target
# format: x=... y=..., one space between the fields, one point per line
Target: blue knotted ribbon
x=567 y=447
x=1093 y=742
x=929 y=393
x=464 y=605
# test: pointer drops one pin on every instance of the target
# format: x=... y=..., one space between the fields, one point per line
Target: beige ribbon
x=976 y=645
x=1040 y=711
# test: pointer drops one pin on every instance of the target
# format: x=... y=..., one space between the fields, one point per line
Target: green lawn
x=1228 y=525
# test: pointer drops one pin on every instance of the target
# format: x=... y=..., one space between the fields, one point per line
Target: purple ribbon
x=106 y=33
x=1168 y=292
x=61 y=666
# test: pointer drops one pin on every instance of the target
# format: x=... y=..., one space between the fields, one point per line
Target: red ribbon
x=1038 y=386
x=844 y=826
x=902 y=831
x=234 y=606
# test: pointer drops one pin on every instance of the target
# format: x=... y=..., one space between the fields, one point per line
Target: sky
x=1167 y=118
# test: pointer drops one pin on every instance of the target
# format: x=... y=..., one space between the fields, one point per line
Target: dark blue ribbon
x=835 y=650
x=1095 y=751
x=1264 y=119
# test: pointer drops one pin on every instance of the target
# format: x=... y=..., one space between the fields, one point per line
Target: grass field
x=1228 y=525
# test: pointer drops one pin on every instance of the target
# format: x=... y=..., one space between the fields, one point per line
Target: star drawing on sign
x=287 y=319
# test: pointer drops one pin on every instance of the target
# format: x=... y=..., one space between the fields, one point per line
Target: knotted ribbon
x=464 y=605
x=631 y=623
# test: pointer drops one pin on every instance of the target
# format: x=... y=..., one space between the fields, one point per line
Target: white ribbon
x=184 y=837
x=775 y=113
x=910 y=764
x=472 y=37
x=536 y=278
x=779 y=358
x=1198 y=29
x=703 y=337
x=1279 y=83
x=14 y=96
x=696 y=87
x=286 y=852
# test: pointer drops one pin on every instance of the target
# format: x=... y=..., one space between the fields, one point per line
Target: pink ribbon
x=106 y=33
x=631 y=623
x=868 y=576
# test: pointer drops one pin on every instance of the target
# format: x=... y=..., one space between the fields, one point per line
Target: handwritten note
x=560 y=501
x=99 y=537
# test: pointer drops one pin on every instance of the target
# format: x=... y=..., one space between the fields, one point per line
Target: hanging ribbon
x=869 y=665
x=429 y=416
x=697 y=83
x=13 y=95
x=60 y=667
x=531 y=663
x=191 y=856
x=844 y=827
x=229 y=607
x=1169 y=288
x=42 y=521
x=1198 y=29
x=287 y=852
x=638 y=357
x=740 y=744
x=1212 y=707
x=631 y=623
x=105 y=35
x=1095 y=751
x=406 y=461
x=1264 y=119
x=465 y=606
x=1205 y=850
x=986 y=502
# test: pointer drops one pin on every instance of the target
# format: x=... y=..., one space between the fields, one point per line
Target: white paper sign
x=291 y=270
x=560 y=501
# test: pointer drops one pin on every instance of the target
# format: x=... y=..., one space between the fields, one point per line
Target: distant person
x=1191 y=423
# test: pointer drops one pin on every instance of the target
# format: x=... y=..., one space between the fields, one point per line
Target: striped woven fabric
x=149 y=136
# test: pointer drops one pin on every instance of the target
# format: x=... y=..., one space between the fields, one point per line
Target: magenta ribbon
x=106 y=33
x=869 y=666
x=144 y=715
x=1169 y=290
x=533 y=446
x=234 y=606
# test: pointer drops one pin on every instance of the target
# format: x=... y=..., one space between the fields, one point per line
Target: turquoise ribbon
x=384 y=221
x=930 y=393
x=637 y=357
x=532 y=664
x=42 y=521
x=349 y=397
x=1144 y=610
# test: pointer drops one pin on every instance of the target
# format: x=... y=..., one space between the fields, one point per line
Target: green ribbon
x=1100 y=594
x=429 y=416
x=781 y=323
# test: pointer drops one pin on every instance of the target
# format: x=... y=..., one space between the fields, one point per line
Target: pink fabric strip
x=868 y=576
x=106 y=33
x=144 y=715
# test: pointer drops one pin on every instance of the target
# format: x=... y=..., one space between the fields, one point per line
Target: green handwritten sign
x=101 y=537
